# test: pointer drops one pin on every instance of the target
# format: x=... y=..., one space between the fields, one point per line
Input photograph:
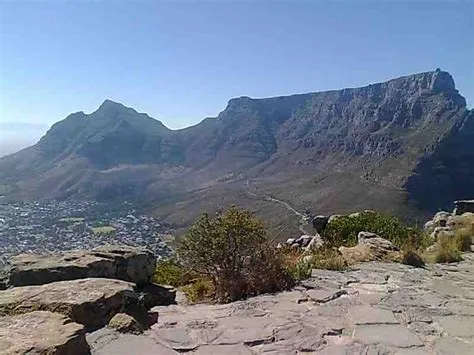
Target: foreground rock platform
x=111 y=261
x=42 y=333
x=375 y=308
x=91 y=302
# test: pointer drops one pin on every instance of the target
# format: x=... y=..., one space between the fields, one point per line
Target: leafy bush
x=301 y=270
x=171 y=272
x=344 y=230
x=231 y=251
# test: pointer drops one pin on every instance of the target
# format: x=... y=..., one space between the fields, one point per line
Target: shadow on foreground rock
x=52 y=300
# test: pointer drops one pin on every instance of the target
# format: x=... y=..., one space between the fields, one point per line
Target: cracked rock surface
x=375 y=308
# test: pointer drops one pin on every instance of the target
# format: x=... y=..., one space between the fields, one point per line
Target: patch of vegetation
x=199 y=291
x=171 y=272
x=328 y=258
x=103 y=230
x=447 y=250
x=231 y=251
x=413 y=258
x=343 y=230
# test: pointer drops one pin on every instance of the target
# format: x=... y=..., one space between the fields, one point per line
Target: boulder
x=441 y=231
x=113 y=261
x=333 y=217
x=91 y=302
x=319 y=223
x=371 y=247
x=363 y=236
x=315 y=243
x=304 y=240
x=157 y=295
x=42 y=333
x=125 y=323
x=463 y=206
x=440 y=219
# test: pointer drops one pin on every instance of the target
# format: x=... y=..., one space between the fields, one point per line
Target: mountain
x=405 y=146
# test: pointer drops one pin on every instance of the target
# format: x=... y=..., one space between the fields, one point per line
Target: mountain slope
x=369 y=147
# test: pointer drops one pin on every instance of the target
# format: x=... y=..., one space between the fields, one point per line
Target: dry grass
x=413 y=258
x=447 y=250
x=328 y=259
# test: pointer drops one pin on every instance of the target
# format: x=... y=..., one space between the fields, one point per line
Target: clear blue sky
x=182 y=61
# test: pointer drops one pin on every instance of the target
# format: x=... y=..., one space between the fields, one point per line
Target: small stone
x=125 y=323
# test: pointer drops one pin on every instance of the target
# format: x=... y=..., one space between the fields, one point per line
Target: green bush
x=231 y=251
x=344 y=230
x=300 y=271
x=171 y=272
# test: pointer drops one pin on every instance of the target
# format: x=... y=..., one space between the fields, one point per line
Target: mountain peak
x=111 y=105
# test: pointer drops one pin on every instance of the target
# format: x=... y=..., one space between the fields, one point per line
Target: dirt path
x=303 y=219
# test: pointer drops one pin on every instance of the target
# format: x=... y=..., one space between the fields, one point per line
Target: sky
x=181 y=61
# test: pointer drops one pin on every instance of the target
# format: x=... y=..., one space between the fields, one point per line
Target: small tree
x=231 y=251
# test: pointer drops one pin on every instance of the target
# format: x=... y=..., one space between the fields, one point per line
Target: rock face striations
x=392 y=141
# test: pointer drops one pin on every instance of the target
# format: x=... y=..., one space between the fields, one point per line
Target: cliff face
x=447 y=172
x=403 y=137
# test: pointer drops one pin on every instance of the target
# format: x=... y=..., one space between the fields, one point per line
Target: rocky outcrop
x=306 y=242
x=319 y=223
x=50 y=317
x=447 y=224
x=91 y=302
x=42 y=333
x=371 y=247
x=120 y=262
x=375 y=308
x=463 y=206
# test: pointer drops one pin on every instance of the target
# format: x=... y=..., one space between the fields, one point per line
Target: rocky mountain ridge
x=369 y=145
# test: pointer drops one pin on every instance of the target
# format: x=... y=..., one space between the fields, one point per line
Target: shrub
x=447 y=250
x=344 y=230
x=231 y=251
x=301 y=270
x=171 y=272
x=199 y=291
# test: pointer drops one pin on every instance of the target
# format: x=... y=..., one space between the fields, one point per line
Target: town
x=51 y=226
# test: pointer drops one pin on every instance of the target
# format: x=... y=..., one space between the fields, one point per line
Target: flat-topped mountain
x=387 y=146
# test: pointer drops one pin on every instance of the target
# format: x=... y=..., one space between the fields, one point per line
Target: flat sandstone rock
x=42 y=333
x=111 y=261
x=91 y=302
